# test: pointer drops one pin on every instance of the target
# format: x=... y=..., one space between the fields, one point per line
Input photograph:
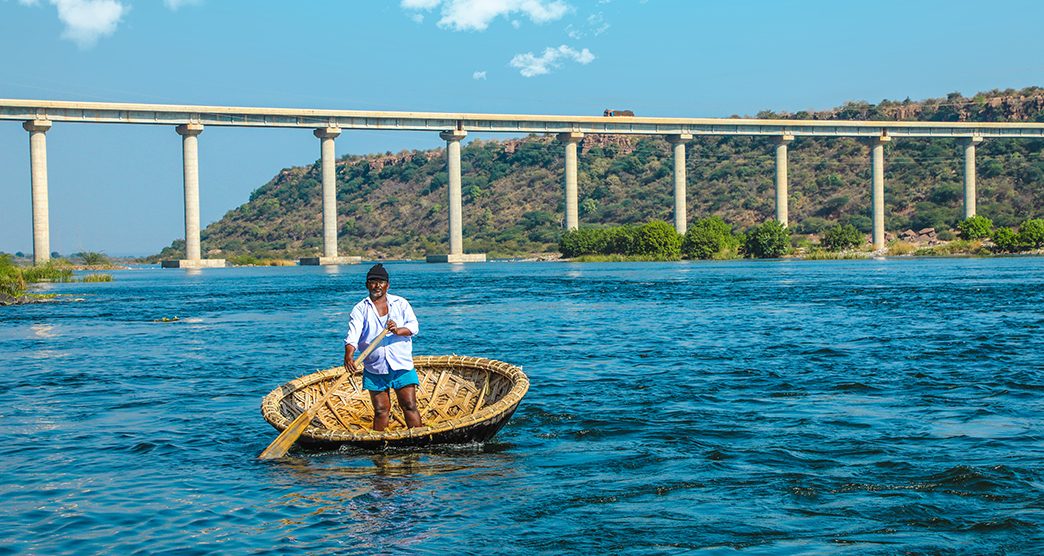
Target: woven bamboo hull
x=461 y=400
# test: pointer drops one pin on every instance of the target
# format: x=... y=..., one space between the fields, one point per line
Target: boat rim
x=519 y=387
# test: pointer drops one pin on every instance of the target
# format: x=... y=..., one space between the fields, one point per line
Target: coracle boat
x=460 y=399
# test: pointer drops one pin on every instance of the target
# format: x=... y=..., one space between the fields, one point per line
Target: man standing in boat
x=390 y=365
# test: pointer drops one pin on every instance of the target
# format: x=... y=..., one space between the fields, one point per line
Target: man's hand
x=349 y=364
x=392 y=327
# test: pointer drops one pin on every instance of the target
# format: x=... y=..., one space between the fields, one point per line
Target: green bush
x=839 y=238
x=51 y=271
x=1031 y=233
x=656 y=239
x=708 y=238
x=11 y=282
x=243 y=260
x=767 y=241
x=976 y=227
x=1005 y=239
x=93 y=258
x=583 y=241
x=619 y=240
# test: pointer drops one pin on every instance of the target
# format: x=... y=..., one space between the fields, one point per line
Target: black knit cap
x=377 y=272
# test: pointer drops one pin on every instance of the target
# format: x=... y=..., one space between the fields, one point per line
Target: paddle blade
x=281 y=445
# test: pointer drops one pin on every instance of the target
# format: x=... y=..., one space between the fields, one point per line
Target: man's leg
x=407 y=396
x=381 y=408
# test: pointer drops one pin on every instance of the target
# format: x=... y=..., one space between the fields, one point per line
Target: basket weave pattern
x=455 y=392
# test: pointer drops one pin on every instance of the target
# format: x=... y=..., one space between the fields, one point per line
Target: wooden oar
x=281 y=445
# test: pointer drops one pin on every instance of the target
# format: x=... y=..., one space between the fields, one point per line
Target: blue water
x=879 y=406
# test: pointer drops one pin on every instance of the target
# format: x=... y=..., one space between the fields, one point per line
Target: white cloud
x=479 y=76
x=175 y=5
x=28 y=2
x=88 y=20
x=530 y=65
x=417 y=18
x=476 y=15
x=596 y=25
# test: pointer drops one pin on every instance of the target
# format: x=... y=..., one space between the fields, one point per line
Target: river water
x=875 y=406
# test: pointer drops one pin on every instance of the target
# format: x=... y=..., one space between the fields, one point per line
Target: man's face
x=377 y=288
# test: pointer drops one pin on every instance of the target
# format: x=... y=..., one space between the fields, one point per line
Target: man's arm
x=408 y=326
x=351 y=340
x=349 y=358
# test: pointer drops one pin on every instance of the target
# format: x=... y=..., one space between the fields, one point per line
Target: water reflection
x=376 y=501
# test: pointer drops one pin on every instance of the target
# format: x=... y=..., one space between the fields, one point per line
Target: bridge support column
x=969 y=175
x=782 y=194
x=456 y=211
x=190 y=159
x=572 y=219
x=877 y=193
x=680 y=217
x=38 y=165
x=326 y=137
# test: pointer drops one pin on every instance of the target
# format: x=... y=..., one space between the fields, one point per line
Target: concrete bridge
x=39 y=116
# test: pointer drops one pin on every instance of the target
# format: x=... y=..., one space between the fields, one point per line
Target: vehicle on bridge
x=610 y=113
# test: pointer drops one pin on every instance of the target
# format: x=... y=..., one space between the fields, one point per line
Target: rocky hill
x=394 y=205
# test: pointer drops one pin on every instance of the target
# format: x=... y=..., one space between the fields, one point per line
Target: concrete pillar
x=680 y=217
x=190 y=158
x=782 y=194
x=326 y=137
x=572 y=220
x=877 y=193
x=38 y=165
x=456 y=210
x=190 y=161
x=969 y=175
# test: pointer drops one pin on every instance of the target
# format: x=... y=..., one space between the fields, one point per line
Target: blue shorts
x=394 y=379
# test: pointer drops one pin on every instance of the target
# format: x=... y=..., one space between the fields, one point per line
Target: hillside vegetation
x=394 y=205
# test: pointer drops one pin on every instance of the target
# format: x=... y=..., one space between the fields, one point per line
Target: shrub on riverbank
x=710 y=238
x=15 y=279
x=55 y=270
x=976 y=227
x=838 y=237
x=1031 y=233
x=656 y=240
x=94 y=258
x=1030 y=236
x=768 y=241
x=12 y=284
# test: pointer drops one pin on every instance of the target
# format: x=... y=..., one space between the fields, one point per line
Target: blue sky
x=118 y=188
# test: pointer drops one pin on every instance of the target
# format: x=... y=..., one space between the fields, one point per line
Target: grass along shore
x=15 y=280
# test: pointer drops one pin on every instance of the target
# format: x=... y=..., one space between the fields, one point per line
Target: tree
x=838 y=237
x=767 y=241
x=657 y=239
x=975 y=227
x=709 y=237
x=93 y=258
x=1031 y=233
x=582 y=241
x=1005 y=239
